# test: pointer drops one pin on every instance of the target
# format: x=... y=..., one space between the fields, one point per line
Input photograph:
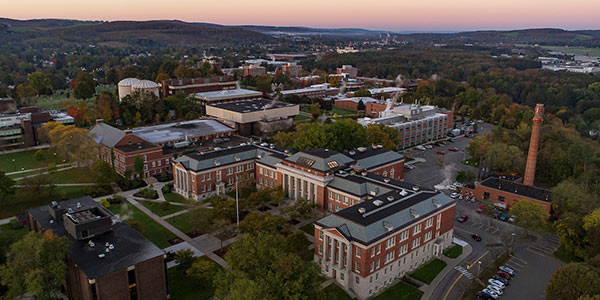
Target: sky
x=394 y=15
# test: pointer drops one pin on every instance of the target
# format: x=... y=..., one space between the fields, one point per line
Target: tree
x=376 y=135
x=138 y=166
x=103 y=173
x=315 y=110
x=41 y=83
x=284 y=139
x=39 y=188
x=263 y=267
x=24 y=91
x=301 y=208
x=360 y=106
x=348 y=134
x=74 y=144
x=529 y=215
x=84 y=87
x=7 y=187
x=203 y=271
x=182 y=72
x=297 y=241
x=568 y=196
x=184 y=258
x=362 y=92
x=256 y=222
x=35 y=264
x=104 y=106
x=312 y=136
x=573 y=281
x=466 y=177
x=160 y=77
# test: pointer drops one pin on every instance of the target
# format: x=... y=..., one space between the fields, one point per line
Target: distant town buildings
x=253 y=70
x=317 y=91
x=347 y=69
x=289 y=57
x=107 y=259
x=291 y=69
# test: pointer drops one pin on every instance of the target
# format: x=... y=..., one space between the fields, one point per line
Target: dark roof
x=130 y=247
x=222 y=152
x=144 y=145
x=246 y=106
x=518 y=188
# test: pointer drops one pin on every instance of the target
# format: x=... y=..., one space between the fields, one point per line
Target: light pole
x=478 y=268
x=512 y=241
x=14 y=165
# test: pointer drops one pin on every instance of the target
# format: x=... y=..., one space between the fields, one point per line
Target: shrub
x=147 y=193
x=162 y=177
x=15 y=224
x=99 y=190
x=105 y=203
x=167 y=188
x=116 y=199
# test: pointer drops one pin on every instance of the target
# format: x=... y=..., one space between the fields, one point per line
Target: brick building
x=225 y=96
x=197 y=85
x=107 y=259
x=347 y=69
x=291 y=69
x=321 y=176
x=317 y=91
x=369 y=246
x=253 y=70
x=506 y=193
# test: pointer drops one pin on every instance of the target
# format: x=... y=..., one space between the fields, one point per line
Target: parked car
x=495 y=289
x=452 y=149
x=443 y=142
x=491 y=293
x=497 y=283
x=501 y=279
x=481 y=208
x=454 y=195
x=476 y=237
x=512 y=218
x=420 y=147
x=508 y=270
x=462 y=219
x=440 y=153
x=504 y=217
x=429 y=146
x=484 y=296
x=409 y=166
x=503 y=274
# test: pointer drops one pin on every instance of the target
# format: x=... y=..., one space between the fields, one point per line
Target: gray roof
x=379 y=159
x=396 y=215
x=227 y=93
x=106 y=134
x=320 y=159
x=359 y=189
x=212 y=159
x=176 y=131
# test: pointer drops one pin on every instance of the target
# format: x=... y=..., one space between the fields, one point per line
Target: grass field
x=341 y=111
x=158 y=208
x=70 y=192
x=429 y=271
x=334 y=292
x=182 y=287
x=187 y=222
x=172 y=197
x=22 y=159
x=454 y=251
x=153 y=231
x=401 y=291
x=574 y=50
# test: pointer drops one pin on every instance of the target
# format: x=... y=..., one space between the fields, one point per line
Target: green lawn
x=308 y=228
x=575 y=50
x=173 y=197
x=70 y=192
x=427 y=272
x=301 y=117
x=153 y=231
x=454 y=251
x=401 y=291
x=22 y=159
x=159 y=208
x=470 y=162
x=341 y=111
x=21 y=201
x=334 y=292
x=182 y=287
x=188 y=222
x=75 y=175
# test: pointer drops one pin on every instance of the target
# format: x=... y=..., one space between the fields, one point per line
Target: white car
x=508 y=270
x=491 y=293
x=453 y=195
x=495 y=289
x=429 y=146
x=496 y=283
x=420 y=148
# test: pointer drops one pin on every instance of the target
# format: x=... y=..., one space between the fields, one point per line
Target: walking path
x=44 y=173
x=36 y=169
x=450 y=264
x=181 y=212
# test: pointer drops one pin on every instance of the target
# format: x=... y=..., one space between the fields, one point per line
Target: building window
x=417 y=229
x=356 y=279
x=93 y=291
x=377 y=265
x=337 y=197
x=357 y=252
x=384 y=173
x=229 y=171
x=378 y=248
x=427 y=236
x=372 y=251
x=392 y=173
x=403 y=249
x=331 y=195
x=342 y=276
x=321 y=235
x=230 y=180
x=404 y=235
x=345 y=200
x=439 y=221
x=357 y=267
x=320 y=249
x=260 y=170
x=372 y=267
x=390 y=242
x=486 y=196
x=416 y=243
x=202 y=177
x=501 y=198
x=429 y=223
x=132 y=284
x=208 y=176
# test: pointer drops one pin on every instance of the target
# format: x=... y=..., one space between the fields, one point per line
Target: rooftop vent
x=361 y=149
x=436 y=203
x=414 y=213
x=388 y=226
x=415 y=188
x=286 y=151
x=54 y=204
x=378 y=203
x=78 y=204
x=91 y=244
x=272 y=146
x=363 y=173
x=390 y=198
x=386 y=180
x=237 y=158
x=351 y=152
x=403 y=193
x=374 y=146
x=264 y=144
x=111 y=247
x=362 y=210
x=51 y=221
x=217 y=163
x=101 y=255
x=326 y=150
x=107 y=250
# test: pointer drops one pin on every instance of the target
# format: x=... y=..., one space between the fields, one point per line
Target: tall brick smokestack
x=534 y=145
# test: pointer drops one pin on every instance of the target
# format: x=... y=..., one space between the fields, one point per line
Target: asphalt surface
x=532 y=260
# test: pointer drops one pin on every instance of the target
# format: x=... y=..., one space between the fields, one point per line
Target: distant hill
x=273 y=30
x=166 y=33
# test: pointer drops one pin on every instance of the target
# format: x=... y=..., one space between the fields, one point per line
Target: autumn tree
x=104 y=107
x=24 y=91
x=256 y=222
x=36 y=265
x=41 y=83
x=203 y=271
x=315 y=110
x=529 y=215
x=74 y=144
x=377 y=135
x=103 y=173
x=573 y=281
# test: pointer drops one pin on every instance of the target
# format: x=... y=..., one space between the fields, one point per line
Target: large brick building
x=370 y=245
x=107 y=259
x=321 y=176
x=197 y=85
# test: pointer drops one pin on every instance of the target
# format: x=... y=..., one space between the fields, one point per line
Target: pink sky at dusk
x=372 y=14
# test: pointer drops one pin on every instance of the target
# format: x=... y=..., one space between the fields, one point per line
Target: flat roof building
x=317 y=91
x=107 y=259
x=194 y=130
x=255 y=116
x=227 y=96
x=197 y=85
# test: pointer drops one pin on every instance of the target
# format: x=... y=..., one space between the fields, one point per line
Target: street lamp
x=512 y=241
x=14 y=165
x=478 y=268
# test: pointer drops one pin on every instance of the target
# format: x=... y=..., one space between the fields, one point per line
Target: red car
x=440 y=153
x=452 y=149
x=481 y=208
x=443 y=142
x=503 y=274
x=462 y=219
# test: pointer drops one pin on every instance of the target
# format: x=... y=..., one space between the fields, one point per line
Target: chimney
x=534 y=145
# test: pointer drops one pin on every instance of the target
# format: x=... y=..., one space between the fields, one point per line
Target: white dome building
x=125 y=87
x=146 y=86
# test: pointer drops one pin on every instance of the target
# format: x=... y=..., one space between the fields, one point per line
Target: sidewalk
x=451 y=263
